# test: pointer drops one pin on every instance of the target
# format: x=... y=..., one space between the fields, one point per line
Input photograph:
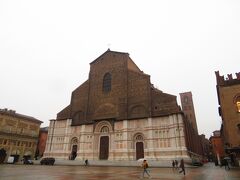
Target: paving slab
x=30 y=172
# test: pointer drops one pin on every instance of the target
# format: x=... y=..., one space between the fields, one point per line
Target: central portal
x=139 y=150
x=104 y=148
x=74 y=152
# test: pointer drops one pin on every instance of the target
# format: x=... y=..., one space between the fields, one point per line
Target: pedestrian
x=173 y=164
x=176 y=164
x=145 y=168
x=86 y=162
x=182 y=167
x=226 y=165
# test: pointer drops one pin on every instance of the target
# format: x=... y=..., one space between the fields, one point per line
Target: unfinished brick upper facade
x=132 y=96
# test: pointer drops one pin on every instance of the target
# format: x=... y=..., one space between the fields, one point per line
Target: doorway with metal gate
x=139 y=150
x=74 y=148
x=139 y=146
x=74 y=152
x=104 y=148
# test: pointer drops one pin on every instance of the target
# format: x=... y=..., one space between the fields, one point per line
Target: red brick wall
x=42 y=142
x=217 y=145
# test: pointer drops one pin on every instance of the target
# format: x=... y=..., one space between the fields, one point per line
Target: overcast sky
x=46 y=47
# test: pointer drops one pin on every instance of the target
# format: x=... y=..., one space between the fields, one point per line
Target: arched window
x=104 y=129
x=74 y=140
x=237 y=102
x=107 y=82
x=139 y=138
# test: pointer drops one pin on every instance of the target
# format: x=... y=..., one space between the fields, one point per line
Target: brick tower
x=188 y=108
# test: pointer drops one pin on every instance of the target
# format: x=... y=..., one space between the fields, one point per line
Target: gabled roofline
x=80 y=85
x=135 y=64
x=17 y=115
x=105 y=53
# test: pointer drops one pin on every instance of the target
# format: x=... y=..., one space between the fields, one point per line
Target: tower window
x=238 y=106
x=107 y=82
x=237 y=102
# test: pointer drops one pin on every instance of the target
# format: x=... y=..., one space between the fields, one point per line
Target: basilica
x=118 y=114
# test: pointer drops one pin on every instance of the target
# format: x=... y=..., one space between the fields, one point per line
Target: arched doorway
x=74 y=152
x=139 y=147
x=104 y=144
x=16 y=154
x=3 y=154
x=74 y=147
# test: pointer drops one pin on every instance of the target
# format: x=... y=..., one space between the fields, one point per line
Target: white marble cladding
x=162 y=138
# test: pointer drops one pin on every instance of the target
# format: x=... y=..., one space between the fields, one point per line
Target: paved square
x=30 y=172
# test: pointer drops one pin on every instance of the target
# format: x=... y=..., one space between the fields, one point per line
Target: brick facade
x=228 y=91
x=188 y=109
x=191 y=129
x=18 y=134
x=132 y=95
x=217 y=146
x=42 y=140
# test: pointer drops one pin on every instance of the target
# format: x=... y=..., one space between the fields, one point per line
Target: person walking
x=173 y=164
x=86 y=162
x=226 y=165
x=182 y=167
x=145 y=168
x=176 y=164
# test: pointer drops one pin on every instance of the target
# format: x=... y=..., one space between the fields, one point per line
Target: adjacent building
x=217 y=146
x=206 y=148
x=188 y=109
x=196 y=150
x=118 y=114
x=42 y=140
x=18 y=134
x=228 y=93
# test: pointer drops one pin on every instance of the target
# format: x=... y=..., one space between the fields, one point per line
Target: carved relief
x=102 y=125
x=138 y=137
x=74 y=141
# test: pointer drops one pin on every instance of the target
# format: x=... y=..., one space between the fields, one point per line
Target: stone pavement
x=30 y=172
x=160 y=163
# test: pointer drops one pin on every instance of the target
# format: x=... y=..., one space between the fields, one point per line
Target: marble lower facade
x=158 y=138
